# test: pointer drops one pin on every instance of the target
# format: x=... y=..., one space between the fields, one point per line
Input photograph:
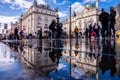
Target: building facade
x=82 y=20
x=117 y=25
x=37 y=19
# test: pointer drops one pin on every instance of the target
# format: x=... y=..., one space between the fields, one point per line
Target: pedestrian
x=112 y=21
x=76 y=30
x=16 y=33
x=104 y=19
x=86 y=32
x=53 y=29
x=90 y=29
x=22 y=34
x=96 y=29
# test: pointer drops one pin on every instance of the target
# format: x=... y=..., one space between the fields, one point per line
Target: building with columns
x=82 y=20
x=37 y=19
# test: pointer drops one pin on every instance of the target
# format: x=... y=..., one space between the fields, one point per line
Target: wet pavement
x=66 y=59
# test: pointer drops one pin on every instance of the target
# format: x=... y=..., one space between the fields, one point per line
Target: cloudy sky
x=10 y=10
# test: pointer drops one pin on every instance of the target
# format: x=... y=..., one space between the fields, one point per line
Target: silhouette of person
x=108 y=57
x=112 y=21
x=16 y=33
x=104 y=19
x=53 y=28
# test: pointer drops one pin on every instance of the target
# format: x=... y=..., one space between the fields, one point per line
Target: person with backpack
x=104 y=19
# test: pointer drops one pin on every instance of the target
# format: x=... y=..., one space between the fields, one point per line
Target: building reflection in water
x=94 y=58
x=89 y=59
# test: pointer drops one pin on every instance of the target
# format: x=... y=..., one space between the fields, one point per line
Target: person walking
x=112 y=21
x=96 y=29
x=86 y=32
x=104 y=19
x=90 y=30
x=76 y=30
x=16 y=33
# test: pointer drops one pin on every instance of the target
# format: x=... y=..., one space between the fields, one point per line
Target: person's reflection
x=108 y=57
x=76 y=47
x=76 y=44
x=56 y=51
x=104 y=61
x=112 y=60
x=14 y=45
x=91 y=47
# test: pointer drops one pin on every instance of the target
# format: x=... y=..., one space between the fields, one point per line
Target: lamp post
x=70 y=39
x=70 y=24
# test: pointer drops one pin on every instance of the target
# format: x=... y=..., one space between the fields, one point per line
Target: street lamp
x=70 y=24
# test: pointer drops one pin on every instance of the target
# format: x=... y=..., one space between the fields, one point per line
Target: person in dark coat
x=104 y=19
x=53 y=28
x=16 y=33
x=90 y=30
x=112 y=20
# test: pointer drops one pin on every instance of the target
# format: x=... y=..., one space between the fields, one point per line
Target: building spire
x=97 y=4
x=35 y=3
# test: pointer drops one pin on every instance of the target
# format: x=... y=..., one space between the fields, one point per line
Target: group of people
x=19 y=35
x=92 y=30
x=56 y=29
x=108 y=22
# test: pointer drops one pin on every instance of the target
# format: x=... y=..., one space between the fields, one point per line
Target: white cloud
x=8 y=19
x=62 y=3
x=86 y=1
x=21 y=4
x=41 y=1
x=54 y=1
x=6 y=1
x=61 y=14
x=77 y=7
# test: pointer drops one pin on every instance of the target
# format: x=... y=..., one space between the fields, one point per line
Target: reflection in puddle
x=85 y=59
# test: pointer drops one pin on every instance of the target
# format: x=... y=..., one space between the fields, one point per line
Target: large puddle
x=75 y=59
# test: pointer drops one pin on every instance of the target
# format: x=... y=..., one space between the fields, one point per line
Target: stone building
x=117 y=25
x=82 y=20
x=37 y=19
